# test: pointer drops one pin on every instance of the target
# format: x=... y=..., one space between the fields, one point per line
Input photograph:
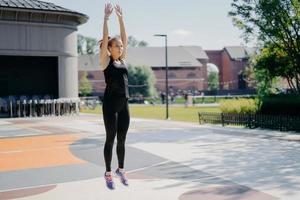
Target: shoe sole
x=121 y=179
x=111 y=188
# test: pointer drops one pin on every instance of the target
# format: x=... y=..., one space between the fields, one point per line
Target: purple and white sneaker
x=109 y=181
x=122 y=176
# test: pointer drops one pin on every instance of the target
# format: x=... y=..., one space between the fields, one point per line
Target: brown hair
x=110 y=41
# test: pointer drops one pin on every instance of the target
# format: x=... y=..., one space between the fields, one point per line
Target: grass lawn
x=176 y=113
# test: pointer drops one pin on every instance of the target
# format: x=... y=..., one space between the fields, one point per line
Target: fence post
x=24 y=107
x=249 y=120
x=19 y=108
x=52 y=107
x=280 y=122
x=11 y=111
x=222 y=118
x=30 y=108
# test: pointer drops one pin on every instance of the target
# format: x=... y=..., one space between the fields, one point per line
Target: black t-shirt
x=116 y=79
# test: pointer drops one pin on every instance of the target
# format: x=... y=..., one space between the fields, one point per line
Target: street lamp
x=167 y=87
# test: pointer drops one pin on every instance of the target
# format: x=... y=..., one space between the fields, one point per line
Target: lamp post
x=167 y=87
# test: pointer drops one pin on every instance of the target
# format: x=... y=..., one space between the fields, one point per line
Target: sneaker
x=109 y=181
x=122 y=176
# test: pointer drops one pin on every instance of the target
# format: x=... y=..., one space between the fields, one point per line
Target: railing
x=90 y=102
x=39 y=108
x=278 y=122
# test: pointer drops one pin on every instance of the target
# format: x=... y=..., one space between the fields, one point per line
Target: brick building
x=186 y=67
x=231 y=61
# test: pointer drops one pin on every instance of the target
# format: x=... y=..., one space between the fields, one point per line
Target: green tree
x=85 y=87
x=141 y=80
x=86 y=45
x=142 y=44
x=270 y=66
x=275 y=24
x=133 y=42
x=91 y=45
x=80 y=44
x=213 y=81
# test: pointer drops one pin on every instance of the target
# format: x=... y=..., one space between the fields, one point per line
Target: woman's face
x=116 y=49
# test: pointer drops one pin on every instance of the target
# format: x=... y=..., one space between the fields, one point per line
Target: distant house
x=186 y=67
x=231 y=61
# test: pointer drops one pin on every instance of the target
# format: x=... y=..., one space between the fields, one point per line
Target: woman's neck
x=114 y=59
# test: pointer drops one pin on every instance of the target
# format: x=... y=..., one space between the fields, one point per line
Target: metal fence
x=277 y=122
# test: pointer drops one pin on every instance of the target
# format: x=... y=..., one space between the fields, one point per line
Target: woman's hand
x=118 y=11
x=108 y=10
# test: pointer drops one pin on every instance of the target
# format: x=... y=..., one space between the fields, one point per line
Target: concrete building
x=38 y=49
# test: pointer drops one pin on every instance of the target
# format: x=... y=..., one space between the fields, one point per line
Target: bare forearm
x=122 y=30
x=105 y=30
x=103 y=48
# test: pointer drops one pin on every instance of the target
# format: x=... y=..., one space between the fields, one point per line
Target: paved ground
x=62 y=158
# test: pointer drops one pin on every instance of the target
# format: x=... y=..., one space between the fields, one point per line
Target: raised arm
x=122 y=30
x=104 y=53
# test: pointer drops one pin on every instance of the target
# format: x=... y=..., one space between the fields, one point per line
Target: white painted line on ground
x=142 y=168
x=24 y=135
x=45 y=185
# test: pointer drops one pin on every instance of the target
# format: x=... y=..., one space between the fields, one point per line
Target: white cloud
x=182 y=32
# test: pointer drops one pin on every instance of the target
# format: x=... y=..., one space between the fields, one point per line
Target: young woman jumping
x=115 y=101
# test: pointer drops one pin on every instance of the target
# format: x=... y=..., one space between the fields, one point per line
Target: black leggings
x=116 y=120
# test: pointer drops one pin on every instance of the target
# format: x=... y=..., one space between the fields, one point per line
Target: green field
x=204 y=99
x=176 y=113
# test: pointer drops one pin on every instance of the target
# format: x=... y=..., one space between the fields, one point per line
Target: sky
x=203 y=23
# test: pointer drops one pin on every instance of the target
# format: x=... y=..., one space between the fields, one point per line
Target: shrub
x=281 y=104
x=239 y=106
